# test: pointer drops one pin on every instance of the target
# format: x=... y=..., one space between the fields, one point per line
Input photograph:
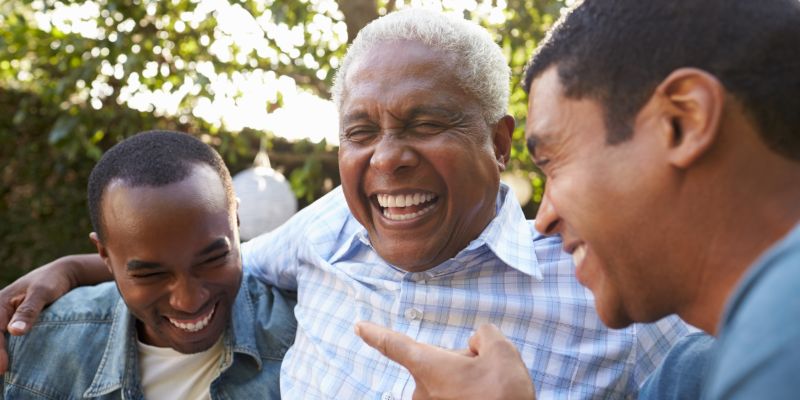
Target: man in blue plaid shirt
x=424 y=238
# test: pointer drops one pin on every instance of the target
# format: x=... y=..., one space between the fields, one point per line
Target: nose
x=188 y=295
x=547 y=219
x=393 y=154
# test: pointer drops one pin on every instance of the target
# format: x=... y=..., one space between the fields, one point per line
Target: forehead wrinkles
x=402 y=57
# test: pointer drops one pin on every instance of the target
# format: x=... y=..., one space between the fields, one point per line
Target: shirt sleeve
x=273 y=257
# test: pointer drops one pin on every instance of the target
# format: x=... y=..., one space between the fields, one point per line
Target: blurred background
x=247 y=77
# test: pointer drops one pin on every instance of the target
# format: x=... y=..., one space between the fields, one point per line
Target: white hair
x=482 y=70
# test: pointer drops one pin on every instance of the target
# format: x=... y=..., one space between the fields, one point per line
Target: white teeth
x=193 y=327
x=578 y=255
x=389 y=200
x=403 y=217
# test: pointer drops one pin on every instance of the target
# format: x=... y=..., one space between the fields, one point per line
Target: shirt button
x=387 y=396
x=413 y=314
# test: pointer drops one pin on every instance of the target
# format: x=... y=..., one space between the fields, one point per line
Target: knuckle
x=382 y=344
x=26 y=310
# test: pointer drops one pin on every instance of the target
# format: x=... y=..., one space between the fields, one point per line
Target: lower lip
x=430 y=209
x=198 y=332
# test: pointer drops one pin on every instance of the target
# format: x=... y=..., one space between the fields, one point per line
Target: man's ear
x=694 y=106
x=101 y=250
x=501 y=138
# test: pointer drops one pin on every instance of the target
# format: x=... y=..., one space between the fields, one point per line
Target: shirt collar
x=121 y=355
x=243 y=323
x=508 y=236
x=754 y=273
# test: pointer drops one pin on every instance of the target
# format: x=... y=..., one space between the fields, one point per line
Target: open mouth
x=194 y=324
x=402 y=207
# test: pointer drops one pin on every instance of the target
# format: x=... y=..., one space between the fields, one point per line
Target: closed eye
x=213 y=259
x=360 y=134
x=149 y=276
x=428 y=128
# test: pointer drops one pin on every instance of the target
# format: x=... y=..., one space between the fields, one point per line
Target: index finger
x=396 y=346
x=3 y=354
x=5 y=311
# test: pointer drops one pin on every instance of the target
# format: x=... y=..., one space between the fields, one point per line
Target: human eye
x=428 y=127
x=360 y=134
x=148 y=277
x=216 y=260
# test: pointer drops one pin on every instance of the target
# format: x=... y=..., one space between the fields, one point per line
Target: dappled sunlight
x=233 y=101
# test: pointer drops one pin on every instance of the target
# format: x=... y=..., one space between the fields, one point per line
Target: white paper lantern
x=520 y=184
x=265 y=198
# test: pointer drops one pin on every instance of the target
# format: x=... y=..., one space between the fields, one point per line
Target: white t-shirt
x=168 y=374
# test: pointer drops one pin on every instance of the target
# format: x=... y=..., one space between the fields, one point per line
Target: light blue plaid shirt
x=510 y=276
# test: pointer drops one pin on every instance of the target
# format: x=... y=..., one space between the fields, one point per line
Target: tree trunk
x=357 y=14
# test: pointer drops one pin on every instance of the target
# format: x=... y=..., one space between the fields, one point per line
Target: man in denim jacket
x=180 y=321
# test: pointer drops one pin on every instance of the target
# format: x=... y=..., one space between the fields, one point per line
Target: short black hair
x=154 y=158
x=617 y=52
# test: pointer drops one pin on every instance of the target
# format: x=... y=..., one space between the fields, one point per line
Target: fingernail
x=357 y=329
x=18 y=325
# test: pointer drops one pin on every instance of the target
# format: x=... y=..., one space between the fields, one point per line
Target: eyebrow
x=139 y=265
x=356 y=116
x=531 y=143
x=221 y=243
x=435 y=111
x=415 y=112
x=537 y=140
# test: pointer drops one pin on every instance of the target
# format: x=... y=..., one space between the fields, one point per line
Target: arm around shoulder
x=23 y=300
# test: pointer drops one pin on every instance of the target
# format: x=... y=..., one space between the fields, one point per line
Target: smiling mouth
x=401 y=207
x=195 y=324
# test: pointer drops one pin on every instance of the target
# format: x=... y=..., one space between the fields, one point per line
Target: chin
x=192 y=348
x=614 y=317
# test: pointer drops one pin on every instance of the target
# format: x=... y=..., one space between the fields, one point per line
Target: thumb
x=26 y=315
x=487 y=337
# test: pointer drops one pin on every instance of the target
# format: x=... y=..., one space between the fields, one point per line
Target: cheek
x=469 y=167
x=142 y=302
x=353 y=165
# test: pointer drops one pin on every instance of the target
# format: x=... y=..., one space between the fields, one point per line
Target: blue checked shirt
x=510 y=276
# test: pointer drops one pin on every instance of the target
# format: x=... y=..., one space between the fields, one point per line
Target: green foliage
x=68 y=91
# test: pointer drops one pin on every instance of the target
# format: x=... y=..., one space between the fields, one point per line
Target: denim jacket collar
x=120 y=355
x=119 y=367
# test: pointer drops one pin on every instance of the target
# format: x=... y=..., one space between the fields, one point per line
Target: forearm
x=82 y=269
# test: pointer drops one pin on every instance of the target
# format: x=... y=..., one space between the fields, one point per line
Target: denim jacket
x=84 y=346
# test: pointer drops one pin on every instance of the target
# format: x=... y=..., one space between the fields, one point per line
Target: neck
x=745 y=200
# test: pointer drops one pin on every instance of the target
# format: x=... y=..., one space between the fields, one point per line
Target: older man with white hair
x=423 y=237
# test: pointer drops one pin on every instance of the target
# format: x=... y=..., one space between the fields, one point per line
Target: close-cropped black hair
x=617 y=52
x=155 y=158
